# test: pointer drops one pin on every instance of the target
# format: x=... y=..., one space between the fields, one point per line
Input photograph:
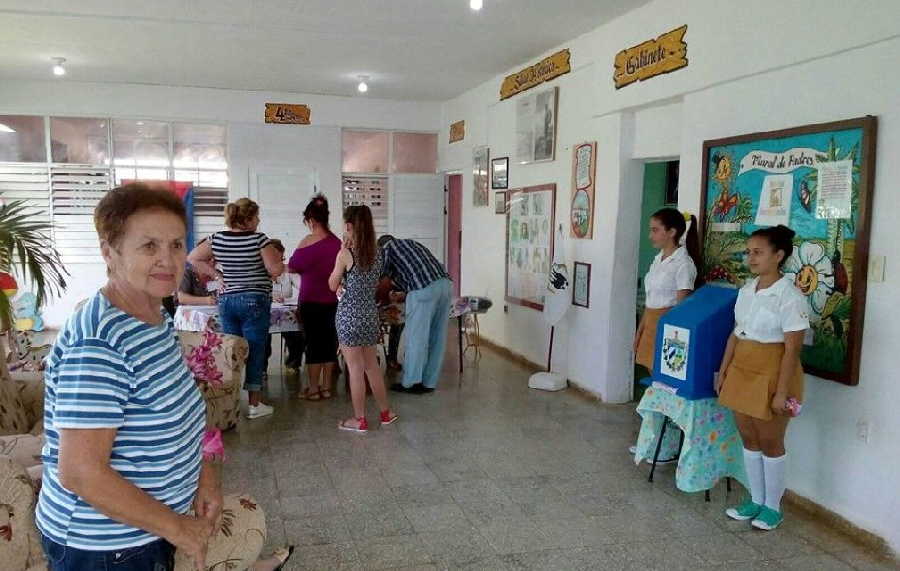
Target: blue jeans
x=156 y=556
x=247 y=315
x=427 y=315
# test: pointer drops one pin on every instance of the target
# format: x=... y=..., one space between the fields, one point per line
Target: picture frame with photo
x=581 y=284
x=480 y=174
x=500 y=203
x=536 y=118
x=500 y=173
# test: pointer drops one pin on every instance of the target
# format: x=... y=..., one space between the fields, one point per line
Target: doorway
x=454 y=229
x=660 y=191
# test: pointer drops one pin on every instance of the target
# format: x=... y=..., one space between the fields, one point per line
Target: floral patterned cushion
x=25 y=449
x=14 y=419
x=239 y=538
x=18 y=535
x=217 y=362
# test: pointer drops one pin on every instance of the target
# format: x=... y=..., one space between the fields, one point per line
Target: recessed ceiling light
x=58 y=68
x=6 y=129
x=476 y=4
x=363 y=85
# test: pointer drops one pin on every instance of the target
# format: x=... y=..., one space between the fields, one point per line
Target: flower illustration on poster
x=812 y=272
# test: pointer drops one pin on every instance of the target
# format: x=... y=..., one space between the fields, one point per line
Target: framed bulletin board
x=530 y=218
x=817 y=180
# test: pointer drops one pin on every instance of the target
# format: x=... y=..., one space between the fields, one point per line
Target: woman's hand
x=208 y=503
x=192 y=537
x=778 y=404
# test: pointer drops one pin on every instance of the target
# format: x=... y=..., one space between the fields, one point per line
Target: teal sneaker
x=745 y=511
x=768 y=519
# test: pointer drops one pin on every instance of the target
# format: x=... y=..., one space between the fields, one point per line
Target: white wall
x=769 y=66
x=252 y=143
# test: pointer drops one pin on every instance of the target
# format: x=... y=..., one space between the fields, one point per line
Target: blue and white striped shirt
x=411 y=265
x=111 y=370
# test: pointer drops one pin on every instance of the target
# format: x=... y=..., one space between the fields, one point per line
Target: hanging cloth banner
x=557 y=298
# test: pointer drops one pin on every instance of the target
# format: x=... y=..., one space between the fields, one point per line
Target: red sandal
x=361 y=428
x=388 y=417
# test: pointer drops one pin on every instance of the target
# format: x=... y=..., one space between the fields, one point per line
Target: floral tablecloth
x=395 y=313
x=712 y=446
x=283 y=318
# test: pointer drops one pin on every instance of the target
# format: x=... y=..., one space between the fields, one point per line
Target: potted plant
x=27 y=250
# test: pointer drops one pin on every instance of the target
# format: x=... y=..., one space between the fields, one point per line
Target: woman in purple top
x=313 y=260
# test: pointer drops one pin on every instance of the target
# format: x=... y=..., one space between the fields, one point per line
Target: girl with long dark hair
x=672 y=276
x=358 y=268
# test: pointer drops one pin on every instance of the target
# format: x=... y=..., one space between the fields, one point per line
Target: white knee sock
x=774 y=473
x=753 y=463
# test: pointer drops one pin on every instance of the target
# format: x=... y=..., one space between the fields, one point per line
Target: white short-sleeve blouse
x=667 y=277
x=766 y=315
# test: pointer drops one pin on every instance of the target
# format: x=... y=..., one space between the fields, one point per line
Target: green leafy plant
x=25 y=246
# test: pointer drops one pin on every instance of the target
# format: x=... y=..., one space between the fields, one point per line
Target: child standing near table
x=761 y=378
x=672 y=276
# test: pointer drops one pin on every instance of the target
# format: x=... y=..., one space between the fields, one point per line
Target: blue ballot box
x=690 y=341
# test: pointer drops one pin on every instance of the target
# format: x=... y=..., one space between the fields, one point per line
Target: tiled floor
x=492 y=475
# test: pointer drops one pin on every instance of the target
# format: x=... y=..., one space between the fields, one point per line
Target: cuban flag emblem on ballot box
x=691 y=339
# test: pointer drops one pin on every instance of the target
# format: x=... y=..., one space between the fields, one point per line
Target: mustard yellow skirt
x=752 y=379
x=647 y=343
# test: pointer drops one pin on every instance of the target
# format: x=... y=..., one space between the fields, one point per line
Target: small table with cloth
x=712 y=448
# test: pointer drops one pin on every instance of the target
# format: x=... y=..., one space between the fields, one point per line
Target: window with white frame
x=88 y=156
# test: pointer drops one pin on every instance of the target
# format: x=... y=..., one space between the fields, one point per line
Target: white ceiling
x=411 y=49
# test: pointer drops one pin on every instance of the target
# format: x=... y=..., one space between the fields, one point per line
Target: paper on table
x=835 y=191
x=775 y=200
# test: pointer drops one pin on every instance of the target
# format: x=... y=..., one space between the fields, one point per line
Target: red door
x=454 y=229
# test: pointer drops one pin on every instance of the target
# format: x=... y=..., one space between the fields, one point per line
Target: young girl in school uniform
x=761 y=379
x=672 y=276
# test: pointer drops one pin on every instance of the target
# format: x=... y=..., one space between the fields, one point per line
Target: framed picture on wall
x=530 y=219
x=500 y=204
x=536 y=126
x=584 y=174
x=500 y=173
x=480 y=176
x=818 y=180
x=581 y=286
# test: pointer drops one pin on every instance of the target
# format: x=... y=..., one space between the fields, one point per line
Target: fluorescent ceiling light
x=58 y=68
x=363 y=86
x=475 y=4
x=6 y=129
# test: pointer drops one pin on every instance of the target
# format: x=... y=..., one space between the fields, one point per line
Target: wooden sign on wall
x=287 y=113
x=457 y=131
x=545 y=70
x=665 y=54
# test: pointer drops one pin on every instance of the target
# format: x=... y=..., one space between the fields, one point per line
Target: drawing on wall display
x=536 y=126
x=480 y=176
x=581 y=292
x=673 y=360
x=529 y=247
x=818 y=180
x=500 y=173
x=584 y=172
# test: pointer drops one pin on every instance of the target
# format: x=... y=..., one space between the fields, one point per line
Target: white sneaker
x=259 y=410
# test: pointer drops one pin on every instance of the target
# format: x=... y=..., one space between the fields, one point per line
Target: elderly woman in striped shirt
x=124 y=420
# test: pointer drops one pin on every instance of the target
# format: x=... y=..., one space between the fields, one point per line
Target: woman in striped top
x=123 y=417
x=247 y=261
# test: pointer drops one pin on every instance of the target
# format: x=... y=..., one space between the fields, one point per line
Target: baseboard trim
x=871 y=541
x=517 y=358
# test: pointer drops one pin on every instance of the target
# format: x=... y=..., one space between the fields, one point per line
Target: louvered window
x=88 y=156
x=76 y=192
